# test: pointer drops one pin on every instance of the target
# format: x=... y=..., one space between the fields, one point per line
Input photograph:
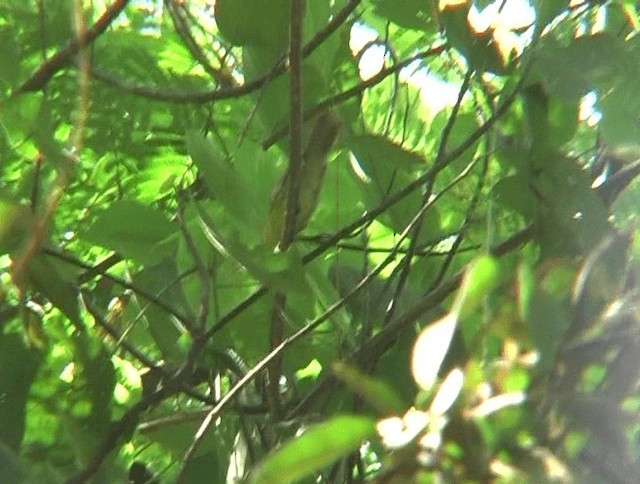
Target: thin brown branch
x=278 y=69
x=203 y=274
x=377 y=211
x=222 y=77
x=115 y=334
x=279 y=350
x=99 y=271
x=355 y=90
x=63 y=57
x=413 y=243
x=294 y=175
x=376 y=345
x=66 y=168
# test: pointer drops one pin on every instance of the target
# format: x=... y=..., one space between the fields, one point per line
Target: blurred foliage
x=460 y=302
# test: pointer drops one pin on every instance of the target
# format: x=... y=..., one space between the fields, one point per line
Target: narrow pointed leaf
x=315 y=449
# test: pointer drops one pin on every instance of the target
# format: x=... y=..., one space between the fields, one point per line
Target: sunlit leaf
x=430 y=348
x=316 y=448
x=447 y=392
x=479 y=280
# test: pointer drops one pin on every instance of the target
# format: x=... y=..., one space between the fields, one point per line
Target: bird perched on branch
x=314 y=165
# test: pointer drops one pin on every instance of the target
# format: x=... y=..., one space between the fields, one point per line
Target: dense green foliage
x=322 y=241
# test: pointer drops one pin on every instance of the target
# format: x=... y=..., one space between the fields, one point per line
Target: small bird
x=314 y=165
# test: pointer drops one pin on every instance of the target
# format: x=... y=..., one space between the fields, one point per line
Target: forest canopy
x=340 y=241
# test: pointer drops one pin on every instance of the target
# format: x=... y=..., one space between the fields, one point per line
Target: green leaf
x=385 y=168
x=18 y=368
x=19 y=116
x=373 y=390
x=480 y=279
x=253 y=22
x=619 y=106
x=16 y=221
x=134 y=230
x=159 y=280
x=412 y=14
x=281 y=271
x=514 y=192
x=547 y=10
x=571 y=71
x=318 y=447
x=548 y=318
x=9 y=57
x=227 y=184
x=572 y=217
x=59 y=288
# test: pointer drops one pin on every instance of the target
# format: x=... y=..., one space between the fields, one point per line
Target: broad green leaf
x=318 y=447
x=514 y=192
x=384 y=168
x=526 y=286
x=19 y=116
x=18 y=368
x=412 y=14
x=547 y=10
x=253 y=22
x=572 y=216
x=9 y=57
x=536 y=104
x=374 y=391
x=160 y=281
x=571 y=71
x=88 y=415
x=479 y=280
x=620 y=105
x=16 y=222
x=55 y=285
x=281 y=271
x=134 y=230
x=227 y=184
x=547 y=322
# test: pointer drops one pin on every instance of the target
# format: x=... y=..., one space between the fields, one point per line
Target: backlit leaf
x=316 y=448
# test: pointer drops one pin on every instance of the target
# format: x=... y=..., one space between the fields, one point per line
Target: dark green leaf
x=18 y=368
x=374 y=391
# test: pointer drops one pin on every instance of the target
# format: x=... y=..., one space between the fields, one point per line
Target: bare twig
x=96 y=270
x=60 y=59
x=354 y=91
x=203 y=274
x=277 y=351
x=222 y=77
x=440 y=157
x=65 y=170
x=377 y=211
x=218 y=94
x=292 y=210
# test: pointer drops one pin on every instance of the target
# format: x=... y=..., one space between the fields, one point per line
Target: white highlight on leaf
x=448 y=392
x=396 y=432
x=497 y=403
x=430 y=348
